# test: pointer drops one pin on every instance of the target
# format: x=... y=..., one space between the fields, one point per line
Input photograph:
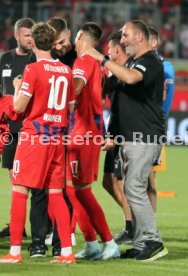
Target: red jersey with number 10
x=50 y=85
x=88 y=113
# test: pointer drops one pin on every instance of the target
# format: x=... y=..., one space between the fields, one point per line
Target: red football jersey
x=88 y=113
x=50 y=85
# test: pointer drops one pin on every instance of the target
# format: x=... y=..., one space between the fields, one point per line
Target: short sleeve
x=28 y=81
x=150 y=67
x=81 y=68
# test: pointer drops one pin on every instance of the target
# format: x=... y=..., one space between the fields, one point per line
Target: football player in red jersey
x=46 y=95
x=63 y=50
x=84 y=150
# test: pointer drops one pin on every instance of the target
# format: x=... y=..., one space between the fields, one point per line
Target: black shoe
x=56 y=250
x=123 y=237
x=5 y=232
x=152 y=251
x=37 y=249
x=130 y=253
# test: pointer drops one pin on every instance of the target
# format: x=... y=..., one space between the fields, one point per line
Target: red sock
x=73 y=223
x=81 y=216
x=95 y=213
x=58 y=207
x=17 y=217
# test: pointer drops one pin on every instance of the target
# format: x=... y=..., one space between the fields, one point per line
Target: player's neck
x=43 y=54
x=21 y=52
x=82 y=50
x=142 y=50
x=121 y=59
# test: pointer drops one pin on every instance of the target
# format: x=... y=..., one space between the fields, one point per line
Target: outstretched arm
x=130 y=76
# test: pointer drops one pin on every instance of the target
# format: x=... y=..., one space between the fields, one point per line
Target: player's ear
x=69 y=33
x=78 y=37
x=80 y=34
x=33 y=44
x=139 y=36
x=16 y=35
x=117 y=48
x=155 y=44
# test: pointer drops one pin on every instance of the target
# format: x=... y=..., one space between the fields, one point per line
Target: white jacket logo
x=141 y=67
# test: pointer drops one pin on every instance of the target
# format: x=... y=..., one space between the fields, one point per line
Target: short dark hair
x=23 y=23
x=153 y=31
x=141 y=26
x=93 y=29
x=58 y=23
x=43 y=35
x=116 y=38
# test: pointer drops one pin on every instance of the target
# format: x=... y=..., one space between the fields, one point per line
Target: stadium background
x=170 y=17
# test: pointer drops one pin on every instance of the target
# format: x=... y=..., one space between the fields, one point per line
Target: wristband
x=105 y=59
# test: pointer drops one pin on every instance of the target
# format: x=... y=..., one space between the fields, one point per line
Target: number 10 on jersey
x=58 y=90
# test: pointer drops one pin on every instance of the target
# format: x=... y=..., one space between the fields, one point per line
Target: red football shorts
x=39 y=165
x=83 y=163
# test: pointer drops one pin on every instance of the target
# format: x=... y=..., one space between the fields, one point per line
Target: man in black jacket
x=137 y=116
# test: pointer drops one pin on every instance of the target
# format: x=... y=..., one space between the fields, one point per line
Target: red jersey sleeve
x=82 y=68
x=28 y=81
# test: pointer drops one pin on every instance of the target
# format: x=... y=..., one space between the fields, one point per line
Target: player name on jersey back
x=59 y=69
x=52 y=118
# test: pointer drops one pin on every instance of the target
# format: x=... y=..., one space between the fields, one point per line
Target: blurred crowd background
x=170 y=16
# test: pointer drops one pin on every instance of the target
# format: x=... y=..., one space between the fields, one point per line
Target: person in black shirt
x=12 y=64
x=137 y=116
x=112 y=177
x=63 y=48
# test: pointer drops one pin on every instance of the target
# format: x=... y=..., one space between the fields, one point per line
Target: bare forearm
x=18 y=109
x=20 y=103
x=130 y=76
x=124 y=74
